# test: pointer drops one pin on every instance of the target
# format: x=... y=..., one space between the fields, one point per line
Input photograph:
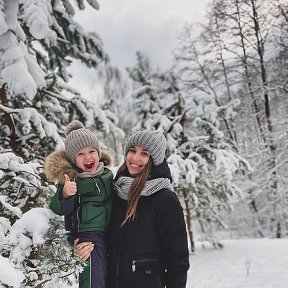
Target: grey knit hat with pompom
x=77 y=138
x=153 y=141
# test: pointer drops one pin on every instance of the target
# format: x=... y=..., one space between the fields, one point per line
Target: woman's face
x=136 y=159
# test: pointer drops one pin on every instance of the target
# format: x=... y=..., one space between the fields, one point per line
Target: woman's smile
x=136 y=159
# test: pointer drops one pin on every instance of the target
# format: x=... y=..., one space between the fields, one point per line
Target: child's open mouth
x=89 y=165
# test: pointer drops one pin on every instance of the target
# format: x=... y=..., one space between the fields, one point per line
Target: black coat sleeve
x=173 y=235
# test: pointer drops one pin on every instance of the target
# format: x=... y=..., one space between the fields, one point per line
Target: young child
x=83 y=196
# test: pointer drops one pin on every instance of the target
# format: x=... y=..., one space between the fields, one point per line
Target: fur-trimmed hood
x=57 y=164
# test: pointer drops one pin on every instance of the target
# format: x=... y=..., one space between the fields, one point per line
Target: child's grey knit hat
x=153 y=141
x=77 y=138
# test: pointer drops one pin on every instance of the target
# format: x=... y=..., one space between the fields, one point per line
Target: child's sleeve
x=60 y=206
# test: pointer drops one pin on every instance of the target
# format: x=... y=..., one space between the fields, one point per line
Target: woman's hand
x=84 y=249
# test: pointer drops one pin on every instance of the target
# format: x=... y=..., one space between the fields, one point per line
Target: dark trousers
x=95 y=272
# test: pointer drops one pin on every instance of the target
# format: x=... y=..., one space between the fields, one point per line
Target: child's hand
x=69 y=189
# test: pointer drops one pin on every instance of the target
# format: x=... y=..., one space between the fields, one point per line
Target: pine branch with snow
x=36 y=244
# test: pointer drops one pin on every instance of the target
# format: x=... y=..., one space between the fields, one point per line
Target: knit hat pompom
x=153 y=141
x=74 y=125
x=77 y=138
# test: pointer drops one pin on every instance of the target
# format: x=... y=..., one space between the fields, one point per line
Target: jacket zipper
x=77 y=214
x=106 y=201
x=134 y=262
x=96 y=185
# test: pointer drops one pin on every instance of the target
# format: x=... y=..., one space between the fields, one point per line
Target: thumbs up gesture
x=69 y=189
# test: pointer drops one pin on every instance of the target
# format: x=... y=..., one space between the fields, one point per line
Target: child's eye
x=80 y=154
x=145 y=154
x=132 y=150
x=93 y=151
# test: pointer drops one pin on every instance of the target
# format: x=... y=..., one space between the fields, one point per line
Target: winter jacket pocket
x=145 y=265
x=145 y=272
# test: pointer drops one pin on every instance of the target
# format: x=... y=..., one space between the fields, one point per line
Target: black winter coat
x=151 y=251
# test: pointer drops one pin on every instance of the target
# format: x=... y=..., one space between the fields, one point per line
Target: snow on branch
x=10 y=9
x=94 y=117
x=51 y=131
x=228 y=162
x=14 y=210
x=94 y=4
x=27 y=232
x=51 y=22
x=91 y=113
x=4 y=228
x=8 y=110
x=10 y=276
x=33 y=67
x=184 y=171
x=26 y=116
x=10 y=162
x=143 y=89
x=69 y=7
x=36 y=14
x=57 y=95
x=42 y=126
x=3 y=24
x=58 y=28
x=20 y=72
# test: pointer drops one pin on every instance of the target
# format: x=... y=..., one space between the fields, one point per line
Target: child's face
x=87 y=159
x=136 y=159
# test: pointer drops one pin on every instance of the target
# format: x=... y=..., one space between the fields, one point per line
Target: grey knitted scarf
x=99 y=171
x=123 y=184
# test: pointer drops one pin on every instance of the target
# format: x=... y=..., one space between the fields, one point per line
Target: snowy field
x=257 y=263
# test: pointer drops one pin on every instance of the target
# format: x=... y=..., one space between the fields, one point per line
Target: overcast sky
x=130 y=25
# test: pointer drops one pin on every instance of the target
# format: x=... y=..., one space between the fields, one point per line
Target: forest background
x=222 y=106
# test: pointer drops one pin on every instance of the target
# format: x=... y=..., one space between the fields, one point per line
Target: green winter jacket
x=90 y=208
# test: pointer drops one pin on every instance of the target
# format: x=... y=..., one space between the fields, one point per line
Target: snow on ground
x=9 y=274
x=251 y=263
x=257 y=263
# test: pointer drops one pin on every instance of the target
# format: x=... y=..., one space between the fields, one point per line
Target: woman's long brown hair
x=135 y=189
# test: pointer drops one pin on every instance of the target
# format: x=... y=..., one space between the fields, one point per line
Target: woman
x=147 y=239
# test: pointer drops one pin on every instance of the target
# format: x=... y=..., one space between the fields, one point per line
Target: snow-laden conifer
x=38 y=40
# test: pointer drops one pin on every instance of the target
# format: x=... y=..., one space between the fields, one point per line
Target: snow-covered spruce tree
x=115 y=91
x=144 y=92
x=38 y=40
x=201 y=158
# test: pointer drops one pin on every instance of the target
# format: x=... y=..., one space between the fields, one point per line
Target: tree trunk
x=271 y=144
x=255 y=105
x=188 y=219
